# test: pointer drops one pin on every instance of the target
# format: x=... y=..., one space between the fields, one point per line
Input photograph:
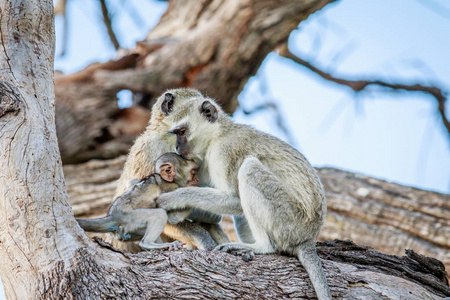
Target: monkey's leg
x=203 y=216
x=216 y=232
x=243 y=230
x=150 y=223
x=191 y=233
x=258 y=211
x=275 y=218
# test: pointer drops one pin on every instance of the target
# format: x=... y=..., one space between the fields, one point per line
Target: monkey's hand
x=178 y=216
x=176 y=245
x=120 y=235
x=173 y=201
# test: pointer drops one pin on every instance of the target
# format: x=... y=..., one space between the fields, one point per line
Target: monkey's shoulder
x=240 y=140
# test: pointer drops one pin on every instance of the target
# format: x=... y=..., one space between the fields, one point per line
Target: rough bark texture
x=383 y=215
x=212 y=45
x=386 y=216
x=208 y=275
x=37 y=230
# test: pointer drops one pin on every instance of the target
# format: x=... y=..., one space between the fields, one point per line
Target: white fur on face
x=200 y=133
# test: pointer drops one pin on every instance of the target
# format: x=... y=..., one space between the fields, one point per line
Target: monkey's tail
x=105 y=224
x=310 y=260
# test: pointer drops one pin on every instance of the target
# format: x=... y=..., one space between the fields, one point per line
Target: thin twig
x=360 y=85
x=107 y=21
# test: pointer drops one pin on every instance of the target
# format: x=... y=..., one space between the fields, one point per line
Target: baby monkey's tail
x=105 y=224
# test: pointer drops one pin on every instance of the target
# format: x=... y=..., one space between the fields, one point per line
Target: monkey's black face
x=182 y=146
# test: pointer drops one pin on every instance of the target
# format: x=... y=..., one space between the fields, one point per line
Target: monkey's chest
x=219 y=177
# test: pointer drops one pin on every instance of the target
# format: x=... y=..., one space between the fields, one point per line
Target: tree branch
x=107 y=21
x=353 y=272
x=360 y=85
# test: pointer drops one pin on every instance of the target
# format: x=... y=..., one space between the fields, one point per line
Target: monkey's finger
x=177 y=245
x=223 y=248
x=248 y=255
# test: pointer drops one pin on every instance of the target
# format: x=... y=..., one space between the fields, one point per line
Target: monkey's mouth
x=185 y=156
x=193 y=183
x=194 y=177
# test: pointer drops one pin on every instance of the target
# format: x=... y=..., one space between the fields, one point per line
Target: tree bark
x=37 y=231
x=387 y=216
x=45 y=255
x=209 y=275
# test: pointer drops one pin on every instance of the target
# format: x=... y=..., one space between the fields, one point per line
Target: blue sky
x=396 y=136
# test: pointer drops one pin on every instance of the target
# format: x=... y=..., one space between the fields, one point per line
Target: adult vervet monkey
x=254 y=174
x=153 y=143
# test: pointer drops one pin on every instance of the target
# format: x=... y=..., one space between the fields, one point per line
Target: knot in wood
x=9 y=99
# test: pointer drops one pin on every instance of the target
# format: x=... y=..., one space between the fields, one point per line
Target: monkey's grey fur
x=153 y=143
x=132 y=219
x=133 y=215
x=254 y=174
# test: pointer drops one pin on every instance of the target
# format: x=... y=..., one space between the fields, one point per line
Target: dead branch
x=360 y=85
x=108 y=24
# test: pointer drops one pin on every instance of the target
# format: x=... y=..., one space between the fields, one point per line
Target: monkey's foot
x=176 y=245
x=237 y=249
x=118 y=231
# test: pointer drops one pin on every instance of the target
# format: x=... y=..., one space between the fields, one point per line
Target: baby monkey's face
x=174 y=168
x=193 y=174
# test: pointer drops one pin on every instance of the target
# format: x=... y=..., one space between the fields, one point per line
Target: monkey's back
x=288 y=164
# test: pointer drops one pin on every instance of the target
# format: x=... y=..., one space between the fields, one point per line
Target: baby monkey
x=133 y=215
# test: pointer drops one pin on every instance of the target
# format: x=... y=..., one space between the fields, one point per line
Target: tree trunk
x=45 y=255
x=37 y=232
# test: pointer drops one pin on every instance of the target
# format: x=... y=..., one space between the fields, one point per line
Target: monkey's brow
x=174 y=131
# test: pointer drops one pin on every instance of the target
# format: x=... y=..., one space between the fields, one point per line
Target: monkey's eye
x=181 y=132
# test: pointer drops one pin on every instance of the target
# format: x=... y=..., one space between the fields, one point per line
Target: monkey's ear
x=131 y=182
x=209 y=111
x=167 y=172
x=167 y=105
